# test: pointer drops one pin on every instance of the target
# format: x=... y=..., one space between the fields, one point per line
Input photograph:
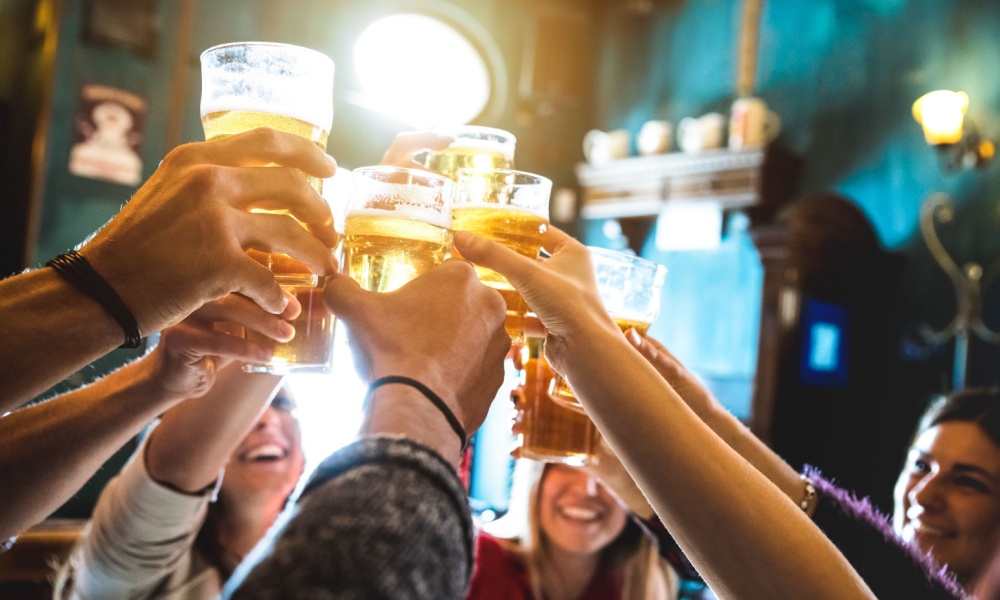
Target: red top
x=499 y=575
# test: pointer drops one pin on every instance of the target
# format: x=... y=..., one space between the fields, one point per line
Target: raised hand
x=182 y=239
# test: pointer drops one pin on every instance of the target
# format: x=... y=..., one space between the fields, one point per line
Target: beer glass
x=510 y=208
x=474 y=147
x=630 y=288
x=551 y=431
x=255 y=84
x=398 y=226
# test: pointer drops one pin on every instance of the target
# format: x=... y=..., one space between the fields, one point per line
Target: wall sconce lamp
x=942 y=115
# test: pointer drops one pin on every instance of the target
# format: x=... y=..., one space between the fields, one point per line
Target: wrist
x=399 y=409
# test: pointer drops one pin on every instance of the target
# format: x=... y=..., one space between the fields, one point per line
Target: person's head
x=560 y=509
x=268 y=463
x=947 y=498
x=258 y=480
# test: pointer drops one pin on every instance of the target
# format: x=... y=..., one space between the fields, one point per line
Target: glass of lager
x=510 y=208
x=474 y=147
x=549 y=430
x=398 y=226
x=289 y=88
x=630 y=289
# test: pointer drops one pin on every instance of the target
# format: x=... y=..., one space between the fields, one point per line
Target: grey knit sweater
x=381 y=518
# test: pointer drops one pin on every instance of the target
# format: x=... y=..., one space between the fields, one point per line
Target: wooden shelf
x=641 y=186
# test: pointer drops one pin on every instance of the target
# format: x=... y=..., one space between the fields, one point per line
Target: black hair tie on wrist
x=436 y=400
x=74 y=268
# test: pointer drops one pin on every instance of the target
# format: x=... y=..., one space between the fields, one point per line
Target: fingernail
x=331 y=161
x=634 y=338
x=286 y=330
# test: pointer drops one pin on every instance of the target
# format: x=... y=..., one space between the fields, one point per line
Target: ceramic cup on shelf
x=752 y=124
x=600 y=147
x=654 y=138
x=702 y=133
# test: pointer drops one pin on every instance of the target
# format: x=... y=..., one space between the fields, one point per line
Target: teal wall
x=842 y=75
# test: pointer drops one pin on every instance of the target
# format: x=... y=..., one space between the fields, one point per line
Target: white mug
x=703 y=133
x=605 y=146
x=654 y=138
x=752 y=124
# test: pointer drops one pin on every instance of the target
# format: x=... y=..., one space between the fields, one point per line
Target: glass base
x=573 y=460
x=284 y=369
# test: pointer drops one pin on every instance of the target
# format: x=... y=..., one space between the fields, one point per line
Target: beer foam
x=319 y=116
x=507 y=149
x=498 y=206
x=405 y=212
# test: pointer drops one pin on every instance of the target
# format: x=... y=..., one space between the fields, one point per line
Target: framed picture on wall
x=129 y=24
x=107 y=135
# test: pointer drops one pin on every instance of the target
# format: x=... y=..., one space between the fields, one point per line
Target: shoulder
x=499 y=572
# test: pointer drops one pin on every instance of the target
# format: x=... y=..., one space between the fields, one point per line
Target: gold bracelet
x=809 y=500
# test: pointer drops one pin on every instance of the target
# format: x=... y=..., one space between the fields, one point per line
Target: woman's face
x=576 y=512
x=948 y=497
x=269 y=461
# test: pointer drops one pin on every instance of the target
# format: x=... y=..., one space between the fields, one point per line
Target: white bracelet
x=809 y=500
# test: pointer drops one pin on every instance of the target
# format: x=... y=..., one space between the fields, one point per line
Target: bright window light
x=421 y=70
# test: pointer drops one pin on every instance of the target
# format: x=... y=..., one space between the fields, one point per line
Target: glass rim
x=660 y=271
x=408 y=170
x=296 y=47
x=541 y=179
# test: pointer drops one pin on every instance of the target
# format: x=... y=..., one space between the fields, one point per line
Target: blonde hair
x=644 y=574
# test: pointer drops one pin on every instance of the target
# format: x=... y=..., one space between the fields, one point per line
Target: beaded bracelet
x=74 y=268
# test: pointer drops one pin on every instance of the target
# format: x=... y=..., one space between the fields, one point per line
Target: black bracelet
x=75 y=269
x=426 y=391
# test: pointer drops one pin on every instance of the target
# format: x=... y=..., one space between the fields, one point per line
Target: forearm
x=49 y=450
x=49 y=331
x=380 y=519
x=196 y=438
x=700 y=486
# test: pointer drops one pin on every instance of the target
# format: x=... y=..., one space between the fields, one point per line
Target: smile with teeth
x=926 y=531
x=265 y=452
x=580 y=513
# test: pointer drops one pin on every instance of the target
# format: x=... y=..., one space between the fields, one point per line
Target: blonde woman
x=568 y=536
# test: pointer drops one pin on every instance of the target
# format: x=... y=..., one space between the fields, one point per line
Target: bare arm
x=720 y=420
x=47 y=451
x=180 y=241
x=196 y=438
x=740 y=531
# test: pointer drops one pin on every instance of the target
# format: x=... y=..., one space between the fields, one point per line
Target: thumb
x=343 y=296
x=519 y=270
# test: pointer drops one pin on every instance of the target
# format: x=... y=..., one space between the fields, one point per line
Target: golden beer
x=382 y=251
x=560 y=390
x=520 y=230
x=481 y=158
x=550 y=431
x=313 y=331
x=248 y=85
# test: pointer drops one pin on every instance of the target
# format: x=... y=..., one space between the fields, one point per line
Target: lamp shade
x=940 y=113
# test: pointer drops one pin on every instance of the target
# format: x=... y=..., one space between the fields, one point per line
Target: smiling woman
x=173 y=524
x=947 y=498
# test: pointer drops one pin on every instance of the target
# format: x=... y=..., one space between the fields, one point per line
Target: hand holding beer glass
x=630 y=288
x=398 y=226
x=510 y=208
x=287 y=88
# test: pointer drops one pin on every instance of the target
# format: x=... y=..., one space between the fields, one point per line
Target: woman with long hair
x=567 y=536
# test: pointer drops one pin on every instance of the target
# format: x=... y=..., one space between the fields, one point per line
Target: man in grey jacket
x=387 y=517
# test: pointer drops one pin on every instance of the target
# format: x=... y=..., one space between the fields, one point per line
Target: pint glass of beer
x=398 y=226
x=551 y=431
x=630 y=289
x=510 y=208
x=289 y=88
x=474 y=147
